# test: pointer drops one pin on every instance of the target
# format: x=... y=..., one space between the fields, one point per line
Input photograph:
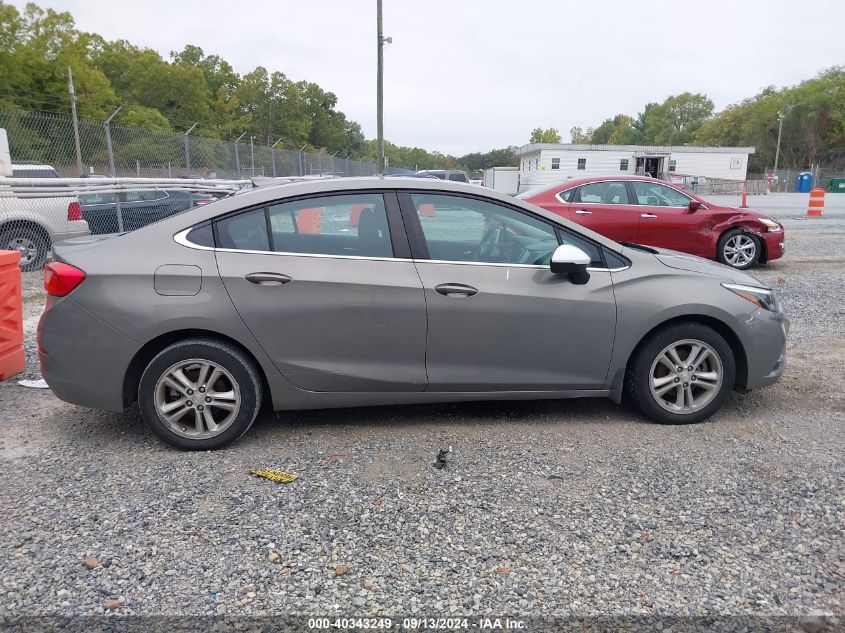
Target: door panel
x=339 y=324
x=604 y=208
x=523 y=329
x=673 y=225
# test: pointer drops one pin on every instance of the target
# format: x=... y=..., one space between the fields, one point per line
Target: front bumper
x=775 y=244
x=765 y=347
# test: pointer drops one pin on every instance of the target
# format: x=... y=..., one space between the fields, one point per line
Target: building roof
x=668 y=149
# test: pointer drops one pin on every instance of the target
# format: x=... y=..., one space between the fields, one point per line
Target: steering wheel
x=490 y=243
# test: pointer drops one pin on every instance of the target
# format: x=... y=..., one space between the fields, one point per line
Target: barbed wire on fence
x=49 y=139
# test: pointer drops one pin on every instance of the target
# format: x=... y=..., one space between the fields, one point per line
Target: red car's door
x=666 y=220
x=604 y=206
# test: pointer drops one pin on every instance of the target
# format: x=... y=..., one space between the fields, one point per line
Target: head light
x=770 y=224
x=761 y=297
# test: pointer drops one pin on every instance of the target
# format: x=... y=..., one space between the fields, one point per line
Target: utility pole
x=72 y=94
x=273 y=155
x=251 y=157
x=188 y=151
x=238 y=157
x=777 y=150
x=380 y=93
x=109 y=149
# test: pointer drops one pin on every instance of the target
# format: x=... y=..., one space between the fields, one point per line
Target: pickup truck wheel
x=30 y=243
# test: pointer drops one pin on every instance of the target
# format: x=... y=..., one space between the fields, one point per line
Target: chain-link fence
x=110 y=149
x=787 y=179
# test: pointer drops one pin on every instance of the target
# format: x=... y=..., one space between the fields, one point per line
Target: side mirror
x=570 y=260
x=694 y=205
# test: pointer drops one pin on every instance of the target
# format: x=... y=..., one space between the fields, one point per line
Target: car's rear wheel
x=29 y=242
x=200 y=394
x=739 y=249
x=683 y=374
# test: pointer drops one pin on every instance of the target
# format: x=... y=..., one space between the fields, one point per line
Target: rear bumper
x=83 y=360
x=775 y=244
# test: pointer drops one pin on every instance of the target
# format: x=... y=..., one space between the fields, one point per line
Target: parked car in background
x=649 y=211
x=32 y=169
x=446 y=174
x=138 y=208
x=415 y=291
x=31 y=225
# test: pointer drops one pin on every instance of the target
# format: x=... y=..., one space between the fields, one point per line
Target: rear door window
x=245 y=231
x=353 y=224
x=604 y=193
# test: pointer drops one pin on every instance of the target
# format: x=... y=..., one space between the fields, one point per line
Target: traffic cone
x=816 y=207
x=744 y=203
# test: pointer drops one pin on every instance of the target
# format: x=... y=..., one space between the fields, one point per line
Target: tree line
x=812 y=114
x=37 y=46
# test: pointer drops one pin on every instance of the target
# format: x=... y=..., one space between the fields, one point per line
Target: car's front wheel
x=200 y=394
x=739 y=249
x=683 y=374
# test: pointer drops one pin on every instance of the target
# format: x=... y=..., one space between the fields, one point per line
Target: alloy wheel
x=26 y=247
x=197 y=398
x=740 y=250
x=686 y=376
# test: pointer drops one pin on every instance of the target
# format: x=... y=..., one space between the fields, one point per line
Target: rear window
x=458 y=177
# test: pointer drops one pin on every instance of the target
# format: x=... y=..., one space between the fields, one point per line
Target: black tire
x=725 y=244
x=35 y=244
x=241 y=370
x=645 y=362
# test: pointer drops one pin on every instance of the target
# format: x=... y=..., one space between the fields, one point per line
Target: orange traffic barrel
x=12 y=358
x=310 y=220
x=816 y=208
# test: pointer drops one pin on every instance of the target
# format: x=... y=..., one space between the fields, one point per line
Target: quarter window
x=657 y=195
x=555 y=163
x=612 y=192
x=582 y=163
x=467 y=229
x=354 y=224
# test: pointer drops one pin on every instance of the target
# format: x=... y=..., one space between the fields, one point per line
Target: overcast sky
x=471 y=75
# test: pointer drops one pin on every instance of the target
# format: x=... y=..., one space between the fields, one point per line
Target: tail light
x=61 y=279
x=74 y=211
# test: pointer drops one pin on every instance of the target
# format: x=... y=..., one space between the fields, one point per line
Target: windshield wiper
x=640 y=247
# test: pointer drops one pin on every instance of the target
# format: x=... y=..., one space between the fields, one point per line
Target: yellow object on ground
x=279 y=476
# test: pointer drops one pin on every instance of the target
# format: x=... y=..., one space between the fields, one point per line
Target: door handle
x=648 y=215
x=267 y=279
x=582 y=212
x=456 y=290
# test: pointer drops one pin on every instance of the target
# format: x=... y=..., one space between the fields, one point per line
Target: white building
x=547 y=163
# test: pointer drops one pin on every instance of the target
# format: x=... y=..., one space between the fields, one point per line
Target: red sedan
x=648 y=211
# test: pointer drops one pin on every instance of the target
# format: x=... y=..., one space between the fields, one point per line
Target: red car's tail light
x=60 y=279
x=74 y=211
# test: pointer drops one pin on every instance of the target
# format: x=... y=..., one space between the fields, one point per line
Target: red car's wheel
x=739 y=249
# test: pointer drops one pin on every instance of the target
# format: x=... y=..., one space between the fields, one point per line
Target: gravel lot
x=553 y=508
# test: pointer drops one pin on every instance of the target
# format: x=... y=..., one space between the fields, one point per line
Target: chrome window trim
x=560 y=193
x=181 y=239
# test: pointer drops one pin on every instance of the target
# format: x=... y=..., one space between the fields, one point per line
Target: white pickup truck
x=30 y=224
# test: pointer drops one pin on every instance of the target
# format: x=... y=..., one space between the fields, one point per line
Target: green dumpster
x=836 y=185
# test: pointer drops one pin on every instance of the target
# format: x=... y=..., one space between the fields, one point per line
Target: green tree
x=579 y=136
x=539 y=135
x=676 y=120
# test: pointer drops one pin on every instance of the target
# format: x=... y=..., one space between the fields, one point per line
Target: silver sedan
x=367 y=291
